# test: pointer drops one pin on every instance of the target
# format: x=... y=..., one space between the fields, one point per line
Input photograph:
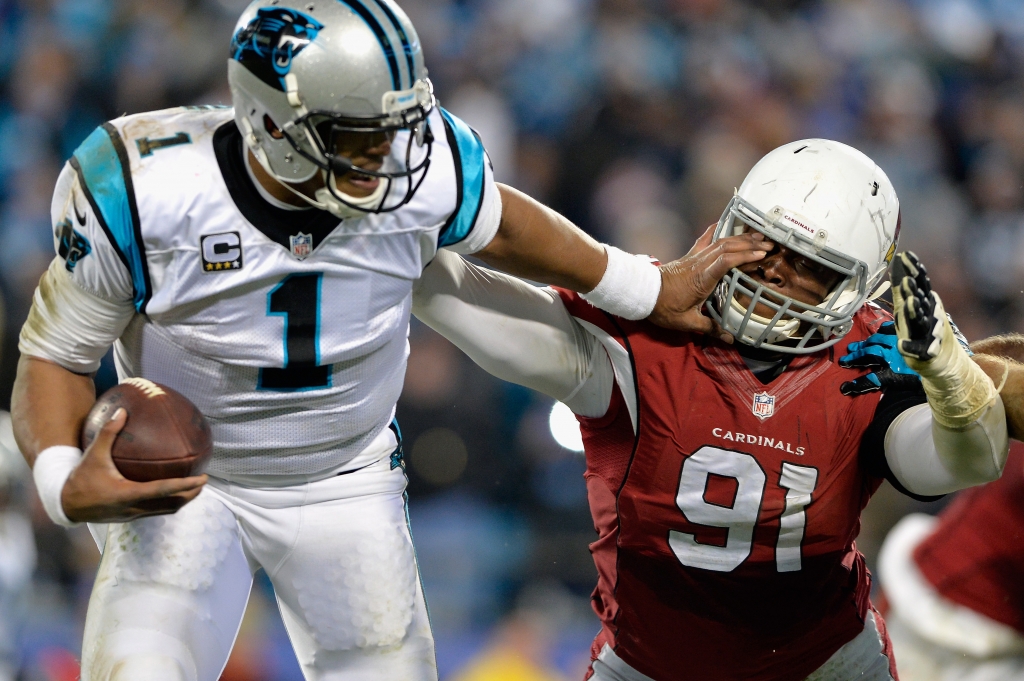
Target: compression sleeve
x=517 y=332
x=929 y=458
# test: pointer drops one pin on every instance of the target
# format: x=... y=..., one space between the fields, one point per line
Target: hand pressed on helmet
x=688 y=282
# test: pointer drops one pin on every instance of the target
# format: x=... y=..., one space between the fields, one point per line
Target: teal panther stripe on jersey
x=468 y=154
x=101 y=163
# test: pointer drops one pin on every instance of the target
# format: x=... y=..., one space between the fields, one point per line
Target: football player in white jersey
x=260 y=261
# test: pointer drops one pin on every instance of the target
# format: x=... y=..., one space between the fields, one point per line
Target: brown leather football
x=165 y=435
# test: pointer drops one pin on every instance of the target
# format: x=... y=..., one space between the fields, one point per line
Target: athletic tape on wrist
x=52 y=467
x=629 y=287
x=958 y=389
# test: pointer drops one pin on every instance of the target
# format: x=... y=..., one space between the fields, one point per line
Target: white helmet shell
x=829 y=202
x=354 y=64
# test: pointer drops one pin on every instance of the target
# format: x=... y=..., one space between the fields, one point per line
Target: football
x=165 y=435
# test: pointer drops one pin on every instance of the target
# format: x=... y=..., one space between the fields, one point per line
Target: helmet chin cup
x=756 y=325
x=346 y=206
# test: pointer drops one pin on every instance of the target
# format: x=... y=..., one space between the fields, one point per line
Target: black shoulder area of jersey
x=277 y=224
x=894 y=402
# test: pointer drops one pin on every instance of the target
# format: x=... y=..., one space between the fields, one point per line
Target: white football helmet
x=833 y=205
x=304 y=72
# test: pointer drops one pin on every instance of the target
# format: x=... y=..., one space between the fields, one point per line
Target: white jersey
x=288 y=329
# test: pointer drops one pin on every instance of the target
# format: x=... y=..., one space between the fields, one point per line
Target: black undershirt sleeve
x=872 y=446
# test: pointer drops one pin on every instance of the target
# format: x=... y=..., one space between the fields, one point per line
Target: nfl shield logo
x=764 y=405
x=302 y=245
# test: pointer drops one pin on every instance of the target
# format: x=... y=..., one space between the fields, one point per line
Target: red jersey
x=975 y=556
x=726 y=524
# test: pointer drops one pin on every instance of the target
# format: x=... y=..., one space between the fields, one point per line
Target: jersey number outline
x=147 y=146
x=297 y=299
x=741 y=518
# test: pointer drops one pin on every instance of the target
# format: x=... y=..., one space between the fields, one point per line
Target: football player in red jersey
x=953 y=583
x=726 y=481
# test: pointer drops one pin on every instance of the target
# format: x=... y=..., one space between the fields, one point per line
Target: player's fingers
x=712 y=273
x=695 y=322
x=860 y=386
x=863 y=361
x=704 y=241
x=100 y=449
x=158 y=489
x=742 y=242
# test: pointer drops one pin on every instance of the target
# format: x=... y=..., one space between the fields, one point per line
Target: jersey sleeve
x=477 y=214
x=88 y=295
x=95 y=218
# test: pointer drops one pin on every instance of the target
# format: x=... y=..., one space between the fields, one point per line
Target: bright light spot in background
x=565 y=428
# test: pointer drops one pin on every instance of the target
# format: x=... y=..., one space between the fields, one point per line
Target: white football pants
x=171 y=590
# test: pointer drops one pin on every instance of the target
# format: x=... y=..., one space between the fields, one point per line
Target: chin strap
x=352 y=206
x=323 y=199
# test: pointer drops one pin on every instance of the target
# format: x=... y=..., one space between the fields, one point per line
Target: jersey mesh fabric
x=975 y=556
x=267 y=433
x=769 y=616
x=209 y=280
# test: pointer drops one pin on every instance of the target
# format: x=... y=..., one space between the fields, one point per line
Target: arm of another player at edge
x=1010 y=348
x=48 y=406
x=514 y=331
x=537 y=243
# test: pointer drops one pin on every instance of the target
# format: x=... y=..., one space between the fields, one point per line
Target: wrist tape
x=629 y=287
x=52 y=467
x=958 y=389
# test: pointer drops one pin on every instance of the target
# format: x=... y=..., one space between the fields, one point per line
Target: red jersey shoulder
x=866 y=321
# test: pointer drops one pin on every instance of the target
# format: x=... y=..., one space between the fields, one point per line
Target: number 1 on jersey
x=297 y=299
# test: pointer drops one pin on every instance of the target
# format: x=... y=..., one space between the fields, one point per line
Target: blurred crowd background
x=635 y=118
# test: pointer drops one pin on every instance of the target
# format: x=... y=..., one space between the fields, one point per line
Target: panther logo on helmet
x=267 y=45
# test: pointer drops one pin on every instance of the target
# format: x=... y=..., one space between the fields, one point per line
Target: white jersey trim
x=923 y=609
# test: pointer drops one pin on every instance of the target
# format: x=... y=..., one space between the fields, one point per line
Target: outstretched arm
x=1005 y=354
x=960 y=437
x=515 y=331
x=537 y=243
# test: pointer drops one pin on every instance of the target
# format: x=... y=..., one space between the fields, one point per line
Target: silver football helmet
x=306 y=75
x=833 y=205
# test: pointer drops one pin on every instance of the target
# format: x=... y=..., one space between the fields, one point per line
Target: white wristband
x=629 y=287
x=51 y=470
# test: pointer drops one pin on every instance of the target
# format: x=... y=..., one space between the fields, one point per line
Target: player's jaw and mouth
x=365 y=151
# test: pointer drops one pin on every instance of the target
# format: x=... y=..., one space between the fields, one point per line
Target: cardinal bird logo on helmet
x=268 y=43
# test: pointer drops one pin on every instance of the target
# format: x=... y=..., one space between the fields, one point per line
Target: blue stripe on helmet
x=468 y=155
x=102 y=165
x=406 y=43
x=382 y=37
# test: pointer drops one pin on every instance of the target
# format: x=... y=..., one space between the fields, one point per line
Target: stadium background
x=635 y=118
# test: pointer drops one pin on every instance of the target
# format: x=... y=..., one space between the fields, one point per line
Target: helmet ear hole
x=271 y=127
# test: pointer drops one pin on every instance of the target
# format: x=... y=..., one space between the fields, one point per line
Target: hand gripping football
x=165 y=435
